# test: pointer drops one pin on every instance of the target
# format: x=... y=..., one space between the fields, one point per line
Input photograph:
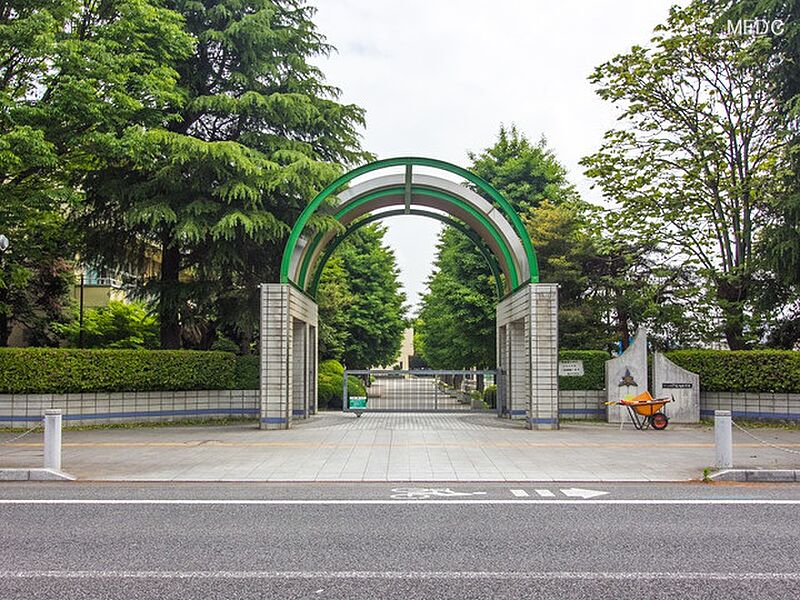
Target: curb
x=760 y=475
x=34 y=475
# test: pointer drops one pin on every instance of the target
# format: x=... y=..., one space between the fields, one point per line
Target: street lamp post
x=80 y=313
x=4 y=243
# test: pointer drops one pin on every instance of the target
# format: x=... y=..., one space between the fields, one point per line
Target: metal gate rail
x=416 y=390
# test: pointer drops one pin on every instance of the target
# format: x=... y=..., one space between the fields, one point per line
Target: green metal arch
x=484 y=185
x=504 y=249
x=469 y=233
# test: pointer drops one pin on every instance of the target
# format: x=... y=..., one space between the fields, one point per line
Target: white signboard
x=570 y=368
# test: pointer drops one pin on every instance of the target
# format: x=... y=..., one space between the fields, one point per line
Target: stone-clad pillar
x=527 y=321
x=276 y=351
x=543 y=339
x=289 y=325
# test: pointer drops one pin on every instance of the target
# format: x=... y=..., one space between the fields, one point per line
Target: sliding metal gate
x=420 y=390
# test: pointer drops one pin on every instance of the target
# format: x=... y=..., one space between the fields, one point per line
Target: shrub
x=490 y=395
x=594 y=370
x=246 y=376
x=224 y=344
x=60 y=371
x=116 y=325
x=776 y=371
x=330 y=385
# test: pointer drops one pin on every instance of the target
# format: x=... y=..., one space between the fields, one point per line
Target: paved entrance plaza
x=400 y=447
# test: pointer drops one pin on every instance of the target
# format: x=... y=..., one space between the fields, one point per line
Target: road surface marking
x=459 y=501
x=520 y=493
x=545 y=493
x=582 y=493
x=508 y=575
x=424 y=493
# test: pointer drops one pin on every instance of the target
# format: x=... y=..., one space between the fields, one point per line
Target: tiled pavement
x=399 y=447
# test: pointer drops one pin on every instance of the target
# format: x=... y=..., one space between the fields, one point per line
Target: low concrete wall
x=582 y=404
x=751 y=405
x=24 y=410
x=588 y=404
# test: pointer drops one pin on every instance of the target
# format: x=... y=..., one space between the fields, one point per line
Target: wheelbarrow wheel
x=659 y=421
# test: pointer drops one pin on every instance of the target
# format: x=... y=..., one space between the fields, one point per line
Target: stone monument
x=670 y=380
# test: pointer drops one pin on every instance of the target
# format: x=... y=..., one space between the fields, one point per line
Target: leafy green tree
x=117 y=325
x=254 y=135
x=634 y=283
x=333 y=298
x=525 y=173
x=778 y=285
x=565 y=244
x=372 y=309
x=694 y=165
x=456 y=326
x=34 y=278
x=73 y=76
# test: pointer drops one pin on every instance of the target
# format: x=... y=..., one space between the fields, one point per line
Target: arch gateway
x=527 y=324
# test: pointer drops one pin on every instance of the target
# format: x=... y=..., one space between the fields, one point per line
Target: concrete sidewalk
x=400 y=447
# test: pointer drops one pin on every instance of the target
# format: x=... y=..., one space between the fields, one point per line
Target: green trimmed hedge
x=330 y=388
x=490 y=396
x=247 y=376
x=776 y=371
x=61 y=371
x=594 y=370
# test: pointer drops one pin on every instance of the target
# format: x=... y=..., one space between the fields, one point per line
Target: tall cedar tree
x=218 y=185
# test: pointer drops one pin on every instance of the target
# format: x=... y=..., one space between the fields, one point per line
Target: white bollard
x=52 y=439
x=723 y=439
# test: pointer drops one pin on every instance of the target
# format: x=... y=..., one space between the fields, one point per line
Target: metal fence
x=420 y=390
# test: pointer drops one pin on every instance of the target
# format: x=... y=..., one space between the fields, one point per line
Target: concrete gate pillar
x=527 y=333
x=288 y=360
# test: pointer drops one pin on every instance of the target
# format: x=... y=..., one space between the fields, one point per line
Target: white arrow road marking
x=545 y=493
x=581 y=493
x=520 y=493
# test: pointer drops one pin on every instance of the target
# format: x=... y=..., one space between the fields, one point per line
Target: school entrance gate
x=417 y=390
x=527 y=325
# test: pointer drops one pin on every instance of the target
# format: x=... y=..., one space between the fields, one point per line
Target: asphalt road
x=459 y=540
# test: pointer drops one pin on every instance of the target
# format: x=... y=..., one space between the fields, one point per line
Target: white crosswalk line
x=520 y=493
x=545 y=493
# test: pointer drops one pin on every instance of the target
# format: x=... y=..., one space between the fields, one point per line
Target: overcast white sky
x=437 y=78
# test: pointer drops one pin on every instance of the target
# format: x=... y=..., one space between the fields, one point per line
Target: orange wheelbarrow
x=646 y=411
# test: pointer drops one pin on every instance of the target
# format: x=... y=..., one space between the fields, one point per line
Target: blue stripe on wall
x=274 y=420
x=543 y=421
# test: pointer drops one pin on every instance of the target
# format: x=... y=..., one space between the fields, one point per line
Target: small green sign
x=357 y=402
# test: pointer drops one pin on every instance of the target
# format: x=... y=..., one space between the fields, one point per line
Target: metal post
x=723 y=439
x=52 y=439
x=80 y=324
x=345 y=394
